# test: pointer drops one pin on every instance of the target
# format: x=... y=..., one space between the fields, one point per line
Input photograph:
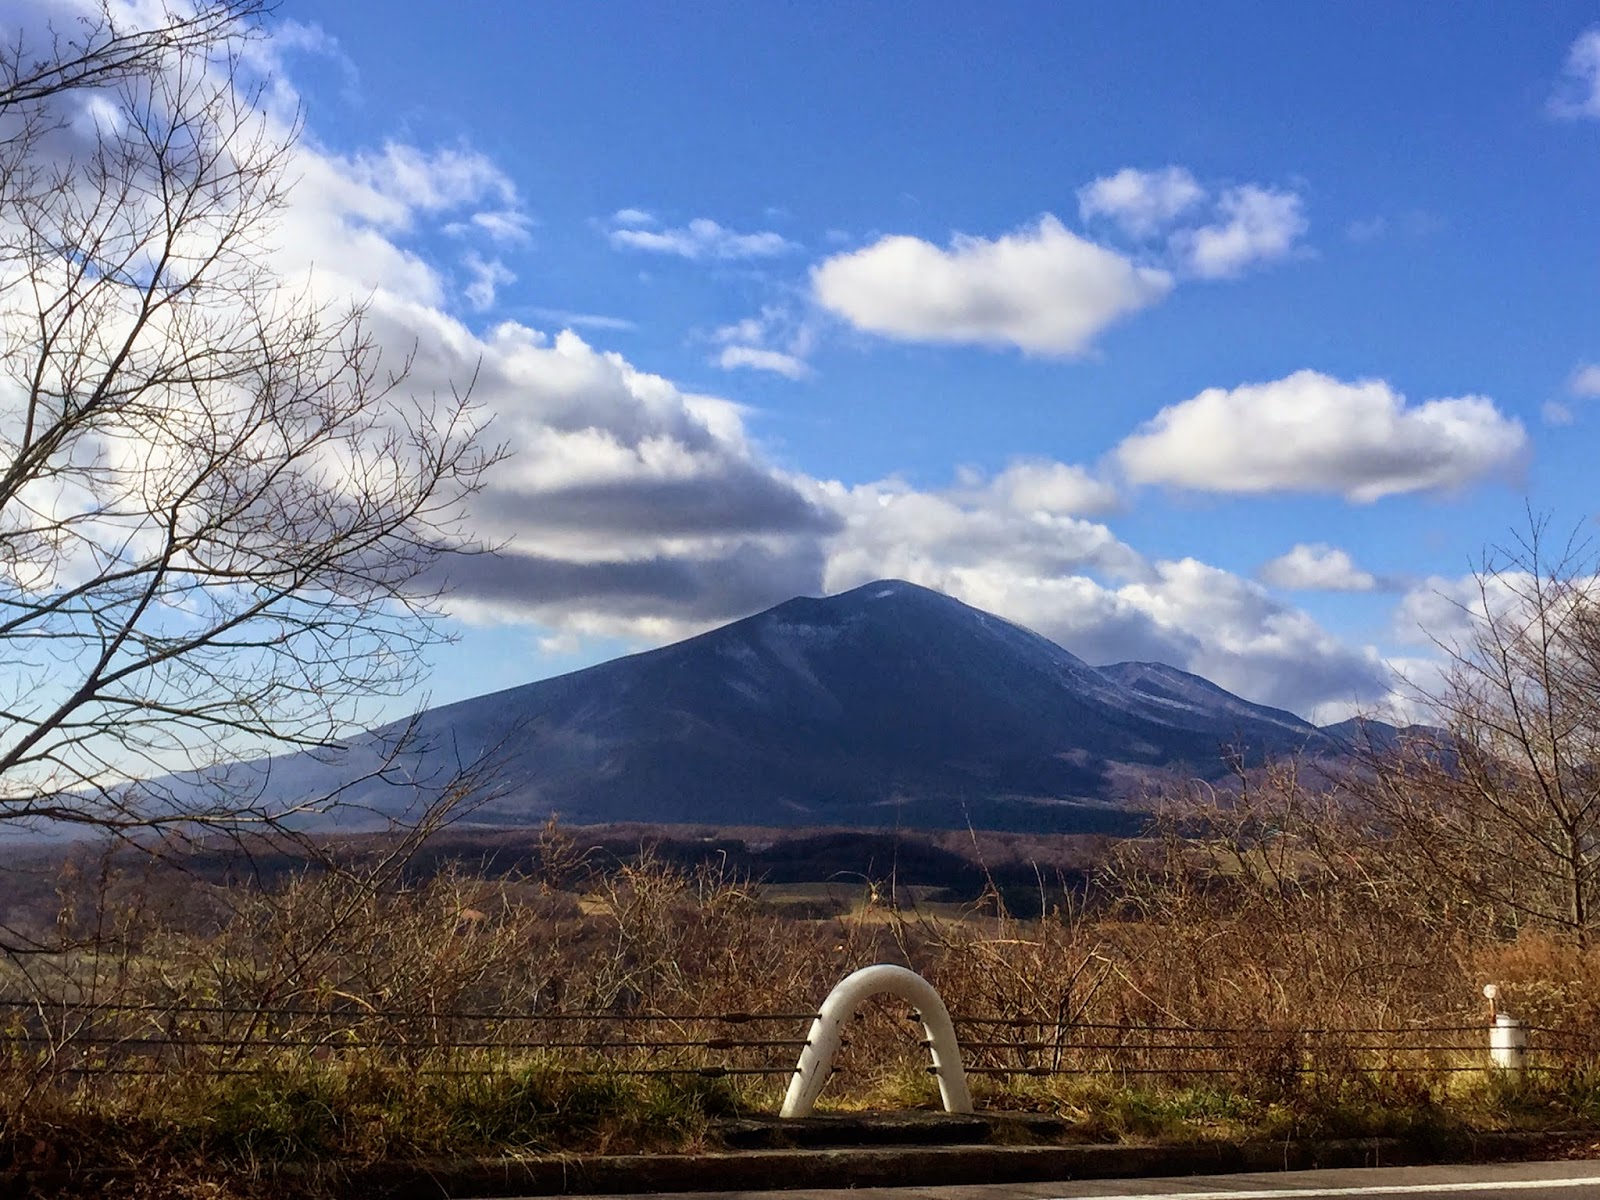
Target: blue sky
x=1227 y=335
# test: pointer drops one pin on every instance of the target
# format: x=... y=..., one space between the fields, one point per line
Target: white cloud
x=506 y=225
x=1253 y=645
x=1013 y=543
x=1142 y=203
x=1047 y=290
x=291 y=35
x=1450 y=615
x=775 y=340
x=1585 y=381
x=632 y=217
x=568 y=319
x=487 y=277
x=430 y=182
x=702 y=238
x=1255 y=225
x=775 y=361
x=628 y=507
x=1446 y=611
x=1417 y=678
x=1437 y=607
x=1578 y=93
x=1075 y=582
x=995 y=544
x=1042 y=486
x=892 y=529
x=1315 y=566
x=1248 y=224
x=352 y=219
x=1309 y=432
x=1042 y=289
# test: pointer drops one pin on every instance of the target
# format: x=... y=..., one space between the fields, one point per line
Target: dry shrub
x=1251 y=909
x=1548 y=980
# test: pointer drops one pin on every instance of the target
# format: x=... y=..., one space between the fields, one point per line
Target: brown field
x=558 y=990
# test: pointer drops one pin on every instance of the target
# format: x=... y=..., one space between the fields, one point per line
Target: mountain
x=887 y=705
x=1362 y=736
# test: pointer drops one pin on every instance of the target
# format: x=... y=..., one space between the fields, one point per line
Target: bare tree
x=220 y=513
x=1502 y=815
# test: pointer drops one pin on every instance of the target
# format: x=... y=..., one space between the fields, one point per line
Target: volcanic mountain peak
x=887 y=703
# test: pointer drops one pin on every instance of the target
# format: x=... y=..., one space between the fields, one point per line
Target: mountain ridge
x=886 y=704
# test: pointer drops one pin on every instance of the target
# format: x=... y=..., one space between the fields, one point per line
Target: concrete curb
x=907 y=1166
x=857 y=1166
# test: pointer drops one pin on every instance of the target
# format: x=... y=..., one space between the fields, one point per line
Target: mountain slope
x=1186 y=699
x=889 y=704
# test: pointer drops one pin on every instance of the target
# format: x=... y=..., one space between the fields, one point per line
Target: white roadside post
x=1508 y=1040
x=816 y=1060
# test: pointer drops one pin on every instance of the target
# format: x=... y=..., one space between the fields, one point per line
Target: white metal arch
x=816 y=1060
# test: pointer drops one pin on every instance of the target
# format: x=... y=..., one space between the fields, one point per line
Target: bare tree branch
x=218 y=506
x=1505 y=812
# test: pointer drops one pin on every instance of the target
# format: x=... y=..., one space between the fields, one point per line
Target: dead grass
x=396 y=963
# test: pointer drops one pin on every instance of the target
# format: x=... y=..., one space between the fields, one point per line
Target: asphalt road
x=1519 y=1181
